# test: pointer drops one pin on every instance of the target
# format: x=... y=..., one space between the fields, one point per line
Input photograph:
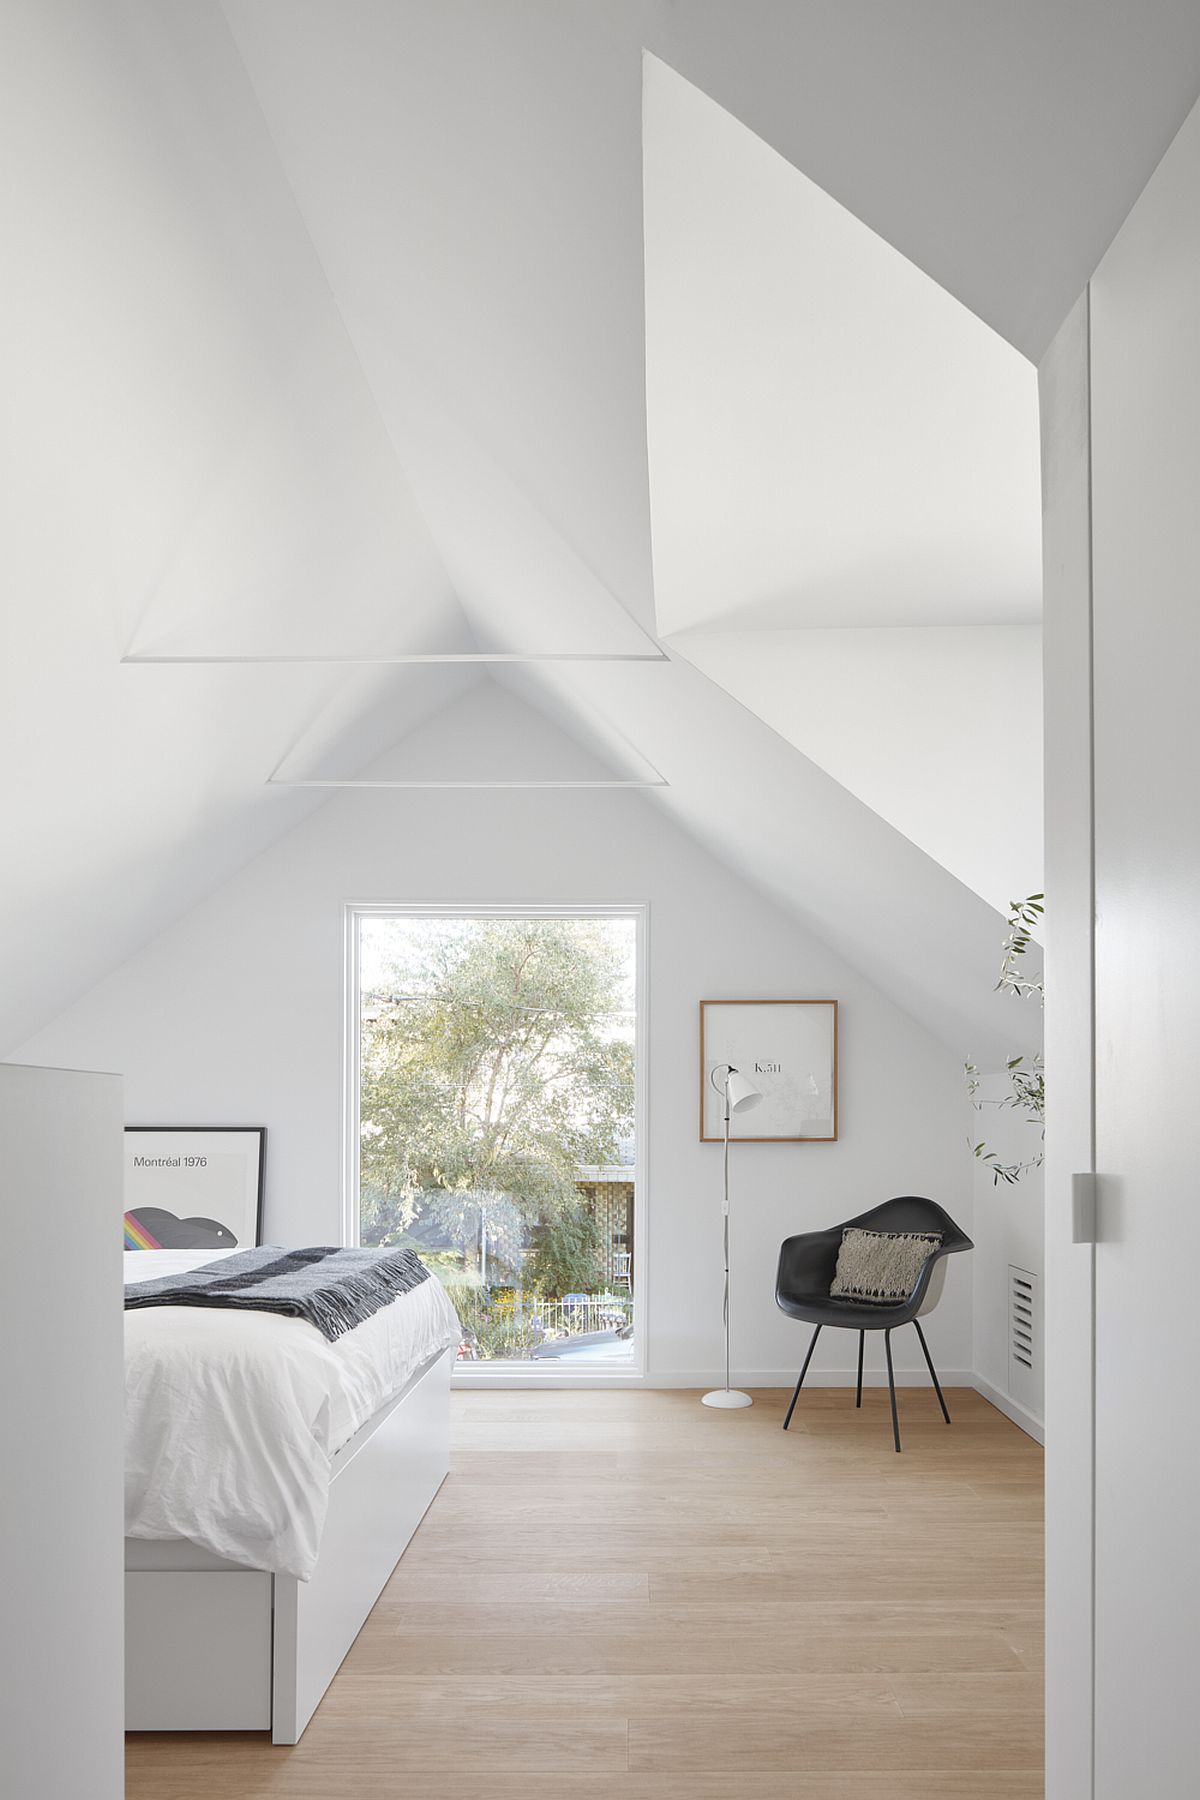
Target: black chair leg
x=887 y=1345
x=804 y=1371
x=862 y=1338
x=933 y=1372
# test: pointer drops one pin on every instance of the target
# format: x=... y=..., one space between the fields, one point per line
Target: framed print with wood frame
x=193 y=1187
x=789 y=1050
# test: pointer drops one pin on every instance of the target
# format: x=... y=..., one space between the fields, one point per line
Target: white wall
x=235 y=1015
x=938 y=728
x=61 y=1677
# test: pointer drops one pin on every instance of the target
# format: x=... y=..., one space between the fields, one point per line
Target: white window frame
x=516 y=1373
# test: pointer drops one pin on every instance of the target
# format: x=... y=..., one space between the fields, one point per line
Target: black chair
x=806 y=1269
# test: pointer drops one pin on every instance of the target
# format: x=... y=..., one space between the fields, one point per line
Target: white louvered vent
x=1024 y=1338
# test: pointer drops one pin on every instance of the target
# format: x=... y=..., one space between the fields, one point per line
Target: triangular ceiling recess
x=834 y=439
x=844 y=473
x=460 y=728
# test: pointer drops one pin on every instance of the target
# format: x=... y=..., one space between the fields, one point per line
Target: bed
x=273 y=1479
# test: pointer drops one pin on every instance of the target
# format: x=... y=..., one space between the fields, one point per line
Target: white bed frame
x=213 y=1646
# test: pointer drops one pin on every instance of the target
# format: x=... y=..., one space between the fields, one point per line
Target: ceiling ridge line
x=336 y=304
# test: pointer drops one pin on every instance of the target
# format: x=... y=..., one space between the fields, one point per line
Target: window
x=494 y=1130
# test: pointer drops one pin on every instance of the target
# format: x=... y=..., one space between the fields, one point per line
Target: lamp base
x=726 y=1397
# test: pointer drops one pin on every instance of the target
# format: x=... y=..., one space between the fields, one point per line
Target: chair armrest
x=807 y=1263
x=925 y=1275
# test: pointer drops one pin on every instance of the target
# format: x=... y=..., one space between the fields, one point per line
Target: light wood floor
x=632 y=1597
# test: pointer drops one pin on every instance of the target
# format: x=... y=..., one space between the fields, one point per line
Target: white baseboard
x=539 y=1376
x=817 y=1378
x=1019 y=1415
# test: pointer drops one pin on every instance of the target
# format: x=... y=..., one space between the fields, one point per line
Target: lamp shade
x=742 y=1093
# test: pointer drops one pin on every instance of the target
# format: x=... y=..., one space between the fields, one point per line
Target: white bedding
x=232 y=1418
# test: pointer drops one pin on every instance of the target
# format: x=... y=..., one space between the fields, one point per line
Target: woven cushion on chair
x=881 y=1265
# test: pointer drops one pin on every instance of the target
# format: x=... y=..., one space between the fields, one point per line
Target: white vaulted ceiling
x=325 y=336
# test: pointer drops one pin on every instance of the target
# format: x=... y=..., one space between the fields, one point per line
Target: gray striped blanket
x=334 y=1289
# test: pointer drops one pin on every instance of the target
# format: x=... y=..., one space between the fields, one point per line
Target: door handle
x=1083 y=1209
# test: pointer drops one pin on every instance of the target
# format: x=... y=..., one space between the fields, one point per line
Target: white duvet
x=232 y=1418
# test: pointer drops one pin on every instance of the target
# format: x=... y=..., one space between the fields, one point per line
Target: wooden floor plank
x=627 y=1593
x=422 y=1586
x=1010 y=1693
x=286 y=1777
x=625 y=1693
x=759 y=1741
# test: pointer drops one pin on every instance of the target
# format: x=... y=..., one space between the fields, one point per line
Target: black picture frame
x=176 y=1169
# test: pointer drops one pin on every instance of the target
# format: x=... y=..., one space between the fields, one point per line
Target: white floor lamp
x=740 y=1096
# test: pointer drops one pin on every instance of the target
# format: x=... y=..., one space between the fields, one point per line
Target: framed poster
x=193 y=1187
x=788 y=1049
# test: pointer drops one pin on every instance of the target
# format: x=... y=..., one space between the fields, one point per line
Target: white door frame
x=1070 y=1259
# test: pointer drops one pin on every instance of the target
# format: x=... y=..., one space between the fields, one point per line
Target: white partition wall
x=61 y=1488
x=1121 y=392
x=1145 y=395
